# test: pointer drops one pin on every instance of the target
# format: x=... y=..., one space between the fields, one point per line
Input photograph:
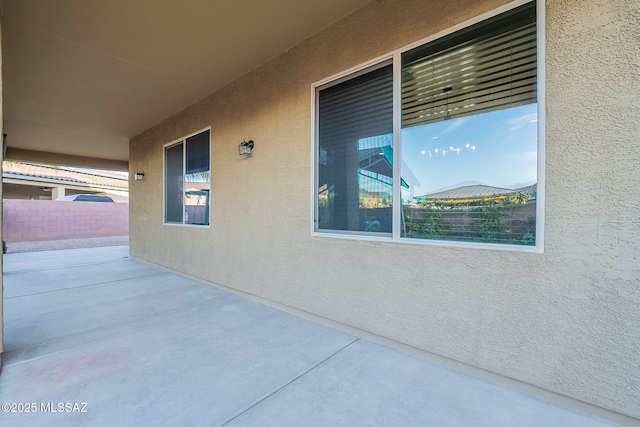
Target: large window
x=188 y=180
x=465 y=131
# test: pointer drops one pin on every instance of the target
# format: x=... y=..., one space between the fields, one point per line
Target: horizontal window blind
x=354 y=174
x=198 y=153
x=174 y=209
x=484 y=68
x=357 y=108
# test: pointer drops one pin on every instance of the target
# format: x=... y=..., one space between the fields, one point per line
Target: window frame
x=395 y=57
x=174 y=143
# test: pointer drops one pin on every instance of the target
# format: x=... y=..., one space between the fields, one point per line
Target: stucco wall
x=565 y=320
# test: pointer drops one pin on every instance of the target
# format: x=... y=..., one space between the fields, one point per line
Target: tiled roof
x=64 y=175
x=469 y=191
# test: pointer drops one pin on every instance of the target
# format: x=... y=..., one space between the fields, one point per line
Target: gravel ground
x=52 y=245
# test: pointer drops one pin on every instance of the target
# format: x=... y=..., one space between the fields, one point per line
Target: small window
x=465 y=138
x=188 y=180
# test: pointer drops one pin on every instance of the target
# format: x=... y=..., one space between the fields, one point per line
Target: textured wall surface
x=37 y=220
x=567 y=320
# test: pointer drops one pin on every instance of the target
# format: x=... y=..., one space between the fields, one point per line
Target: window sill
x=425 y=242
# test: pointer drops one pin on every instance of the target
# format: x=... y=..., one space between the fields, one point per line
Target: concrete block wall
x=36 y=220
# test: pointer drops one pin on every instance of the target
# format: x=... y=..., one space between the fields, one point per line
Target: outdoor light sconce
x=139 y=176
x=244 y=149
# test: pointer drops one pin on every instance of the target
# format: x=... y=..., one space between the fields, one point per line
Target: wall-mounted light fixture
x=139 y=176
x=245 y=147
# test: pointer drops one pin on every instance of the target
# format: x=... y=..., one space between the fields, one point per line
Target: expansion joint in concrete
x=294 y=379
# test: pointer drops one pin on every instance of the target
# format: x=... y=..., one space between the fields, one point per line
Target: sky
x=498 y=149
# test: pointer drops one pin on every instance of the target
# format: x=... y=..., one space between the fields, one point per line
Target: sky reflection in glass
x=497 y=149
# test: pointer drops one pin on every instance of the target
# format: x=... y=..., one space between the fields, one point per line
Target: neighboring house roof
x=468 y=192
x=476 y=192
x=531 y=190
x=63 y=175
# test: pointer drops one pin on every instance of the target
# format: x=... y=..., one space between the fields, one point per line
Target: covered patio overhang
x=80 y=78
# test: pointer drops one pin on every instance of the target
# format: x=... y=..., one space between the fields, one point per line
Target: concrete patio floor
x=142 y=346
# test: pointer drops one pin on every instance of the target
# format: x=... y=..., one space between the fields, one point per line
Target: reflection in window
x=475 y=178
x=469 y=118
x=188 y=180
x=355 y=160
x=468 y=140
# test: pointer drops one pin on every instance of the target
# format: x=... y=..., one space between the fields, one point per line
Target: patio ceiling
x=81 y=77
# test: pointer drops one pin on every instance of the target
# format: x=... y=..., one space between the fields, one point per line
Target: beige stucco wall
x=567 y=320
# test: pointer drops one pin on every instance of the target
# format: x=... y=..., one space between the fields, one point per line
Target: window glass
x=355 y=157
x=173 y=184
x=188 y=181
x=474 y=178
x=197 y=180
x=469 y=138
